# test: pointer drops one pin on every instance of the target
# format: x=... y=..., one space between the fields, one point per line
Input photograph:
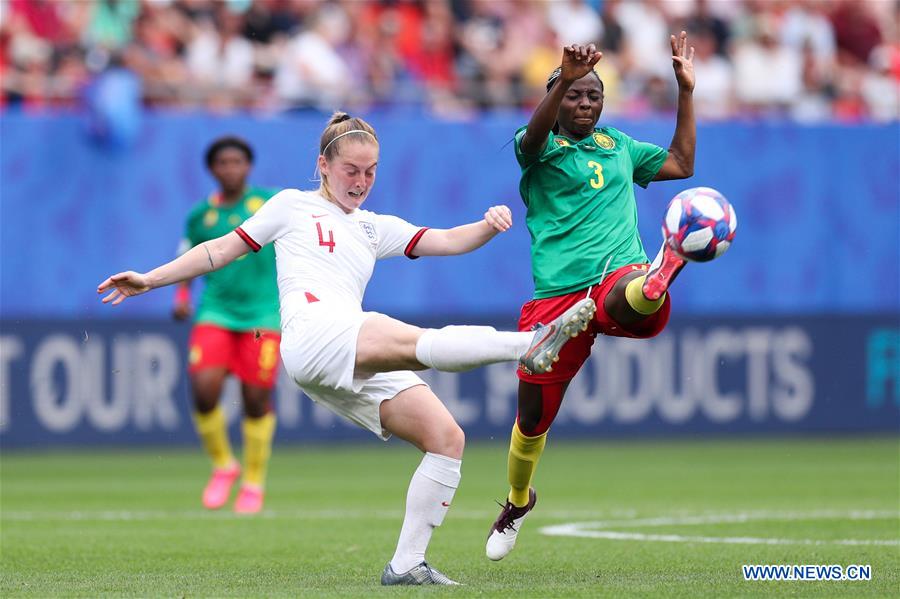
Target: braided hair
x=558 y=71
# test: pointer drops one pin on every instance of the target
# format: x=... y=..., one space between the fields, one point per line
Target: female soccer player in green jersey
x=236 y=331
x=577 y=184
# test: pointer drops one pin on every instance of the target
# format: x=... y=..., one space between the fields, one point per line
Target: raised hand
x=578 y=61
x=125 y=284
x=499 y=218
x=682 y=61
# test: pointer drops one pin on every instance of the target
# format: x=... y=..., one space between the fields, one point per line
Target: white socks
x=429 y=496
x=458 y=348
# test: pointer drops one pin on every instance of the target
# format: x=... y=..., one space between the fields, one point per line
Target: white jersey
x=322 y=253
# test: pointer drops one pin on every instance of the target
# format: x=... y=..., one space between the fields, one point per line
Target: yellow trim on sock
x=213 y=431
x=524 y=453
x=258 y=434
x=634 y=295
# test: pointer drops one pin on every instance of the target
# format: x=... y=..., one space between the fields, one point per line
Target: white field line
x=334 y=514
x=599 y=530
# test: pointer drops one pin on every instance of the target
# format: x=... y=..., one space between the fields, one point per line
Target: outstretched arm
x=464 y=238
x=199 y=260
x=577 y=61
x=680 y=162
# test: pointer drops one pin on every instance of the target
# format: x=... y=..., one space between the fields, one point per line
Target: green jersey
x=244 y=295
x=582 y=214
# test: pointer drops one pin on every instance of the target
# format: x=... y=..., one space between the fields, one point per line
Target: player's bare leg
x=212 y=428
x=418 y=416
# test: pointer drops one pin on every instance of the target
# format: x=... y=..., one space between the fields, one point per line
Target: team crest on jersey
x=369 y=229
x=604 y=141
x=211 y=217
x=253 y=204
x=561 y=142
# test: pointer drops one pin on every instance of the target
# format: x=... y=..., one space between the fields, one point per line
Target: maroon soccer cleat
x=505 y=529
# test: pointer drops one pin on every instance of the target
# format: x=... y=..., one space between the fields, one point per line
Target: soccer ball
x=699 y=224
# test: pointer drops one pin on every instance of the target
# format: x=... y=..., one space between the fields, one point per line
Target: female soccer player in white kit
x=358 y=363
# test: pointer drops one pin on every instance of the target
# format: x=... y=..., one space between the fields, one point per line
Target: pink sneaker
x=218 y=489
x=249 y=500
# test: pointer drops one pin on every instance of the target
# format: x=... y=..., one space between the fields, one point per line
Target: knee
x=205 y=403
x=449 y=441
x=615 y=299
x=257 y=405
x=206 y=387
x=528 y=424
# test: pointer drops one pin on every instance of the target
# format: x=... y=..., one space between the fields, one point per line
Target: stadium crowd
x=810 y=60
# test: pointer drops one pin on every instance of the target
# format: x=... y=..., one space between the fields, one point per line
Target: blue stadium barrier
x=817 y=205
x=67 y=383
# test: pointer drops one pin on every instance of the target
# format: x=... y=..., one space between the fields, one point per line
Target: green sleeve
x=550 y=151
x=523 y=159
x=647 y=159
x=190 y=227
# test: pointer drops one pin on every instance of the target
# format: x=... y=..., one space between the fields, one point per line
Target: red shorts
x=576 y=351
x=252 y=356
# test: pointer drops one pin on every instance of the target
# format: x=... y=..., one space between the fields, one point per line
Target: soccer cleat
x=549 y=339
x=218 y=489
x=663 y=270
x=249 y=500
x=505 y=529
x=417 y=575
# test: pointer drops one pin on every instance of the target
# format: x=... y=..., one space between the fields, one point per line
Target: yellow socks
x=635 y=297
x=524 y=453
x=258 y=433
x=213 y=431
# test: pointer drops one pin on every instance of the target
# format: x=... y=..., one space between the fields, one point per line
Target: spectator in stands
x=703 y=19
x=445 y=55
x=312 y=72
x=856 y=31
x=714 y=93
x=767 y=75
x=220 y=61
x=574 y=22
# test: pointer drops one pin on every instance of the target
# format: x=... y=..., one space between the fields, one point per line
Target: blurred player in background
x=577 y=184
x=236 y=331
x=357 y=363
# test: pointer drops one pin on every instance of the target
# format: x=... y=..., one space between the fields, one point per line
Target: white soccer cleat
x=505 y=529
x=422 y=574
x=549 y=339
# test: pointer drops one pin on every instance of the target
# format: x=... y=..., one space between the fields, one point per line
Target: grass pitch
x=685 y=517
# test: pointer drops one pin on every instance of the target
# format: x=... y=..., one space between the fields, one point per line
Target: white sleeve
x=270 y=222
x=396 y=237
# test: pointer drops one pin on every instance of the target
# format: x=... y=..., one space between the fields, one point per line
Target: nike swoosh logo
x=318 y=215
x=445 y=504
x=541 y=342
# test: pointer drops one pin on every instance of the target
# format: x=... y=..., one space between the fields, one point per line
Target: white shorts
x=318 y=347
